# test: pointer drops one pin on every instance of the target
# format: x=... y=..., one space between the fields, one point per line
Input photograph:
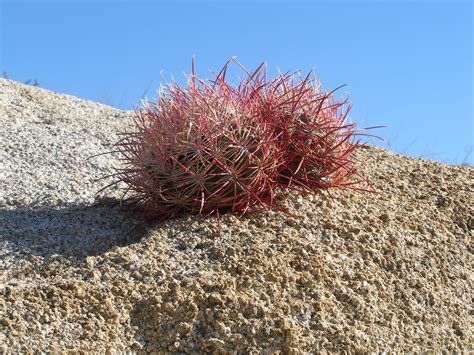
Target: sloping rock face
x=354 y=271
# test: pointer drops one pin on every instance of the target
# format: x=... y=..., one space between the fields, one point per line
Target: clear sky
x=408 y=64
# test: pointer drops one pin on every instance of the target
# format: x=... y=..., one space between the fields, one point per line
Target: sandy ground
x=353 y=272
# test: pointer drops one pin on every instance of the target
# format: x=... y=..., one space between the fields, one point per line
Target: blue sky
x=408 y=64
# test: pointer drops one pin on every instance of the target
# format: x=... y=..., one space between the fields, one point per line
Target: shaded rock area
x=353 y=271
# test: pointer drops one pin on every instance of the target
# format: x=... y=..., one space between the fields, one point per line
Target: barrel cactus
x=212 y=147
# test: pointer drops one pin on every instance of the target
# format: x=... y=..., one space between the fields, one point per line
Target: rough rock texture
x=353 y=272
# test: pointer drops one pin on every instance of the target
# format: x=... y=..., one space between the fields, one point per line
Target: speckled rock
x=354 y=271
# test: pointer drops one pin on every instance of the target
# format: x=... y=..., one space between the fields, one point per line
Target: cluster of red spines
x=211 y=147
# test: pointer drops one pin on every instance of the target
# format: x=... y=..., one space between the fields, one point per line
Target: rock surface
x=352 y=272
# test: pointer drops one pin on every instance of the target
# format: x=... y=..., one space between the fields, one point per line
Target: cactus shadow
x=76 y=231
